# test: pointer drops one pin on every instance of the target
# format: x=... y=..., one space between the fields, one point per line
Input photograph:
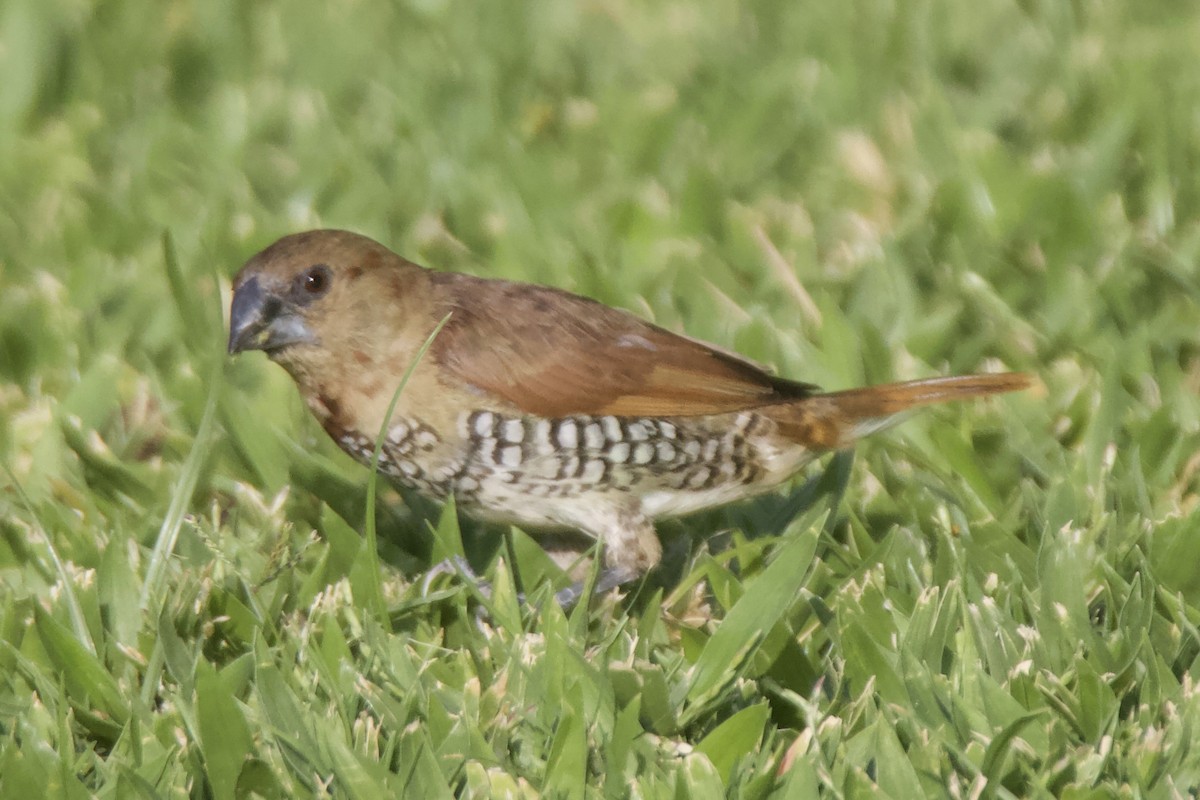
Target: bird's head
x=317 y=299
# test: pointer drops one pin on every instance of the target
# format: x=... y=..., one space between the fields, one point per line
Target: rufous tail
x=837 y=419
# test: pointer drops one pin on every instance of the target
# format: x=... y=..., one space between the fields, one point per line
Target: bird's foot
x=455 y=565
x=609 y=578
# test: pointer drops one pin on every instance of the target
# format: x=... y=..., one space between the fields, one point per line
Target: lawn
x=996 y=599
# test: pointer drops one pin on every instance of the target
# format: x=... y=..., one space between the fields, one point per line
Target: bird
x=537 y=407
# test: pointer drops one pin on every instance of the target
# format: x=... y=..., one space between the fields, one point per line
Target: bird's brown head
x=312 y=300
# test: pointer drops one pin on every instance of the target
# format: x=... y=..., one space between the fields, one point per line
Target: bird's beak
x=259 y=320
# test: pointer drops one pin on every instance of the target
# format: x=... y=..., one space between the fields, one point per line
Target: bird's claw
x=455 y=565
x=609 y=578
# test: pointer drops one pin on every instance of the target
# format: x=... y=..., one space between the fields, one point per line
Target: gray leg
x=631 y=546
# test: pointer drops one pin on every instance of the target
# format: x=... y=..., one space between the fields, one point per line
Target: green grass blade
x=65 y=581
x=765 y=600
x=181 y=496
x=372 y=550
x=734 y=738
x=85 y=675
x=224 y=738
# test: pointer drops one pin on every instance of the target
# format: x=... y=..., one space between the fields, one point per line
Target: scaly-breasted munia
x=538 y=407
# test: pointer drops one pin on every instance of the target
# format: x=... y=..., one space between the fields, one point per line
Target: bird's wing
x=551 y=353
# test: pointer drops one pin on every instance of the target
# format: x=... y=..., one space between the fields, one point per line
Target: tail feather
x=836 y=419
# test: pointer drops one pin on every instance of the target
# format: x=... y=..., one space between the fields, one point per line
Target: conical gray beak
x=259 y=320
x=246 y=316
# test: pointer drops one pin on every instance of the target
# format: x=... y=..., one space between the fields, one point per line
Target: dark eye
x=316 y=281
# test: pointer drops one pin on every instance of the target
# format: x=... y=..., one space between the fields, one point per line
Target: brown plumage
x=536 y=406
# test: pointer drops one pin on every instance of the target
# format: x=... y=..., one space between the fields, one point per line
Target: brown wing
x=552 y=353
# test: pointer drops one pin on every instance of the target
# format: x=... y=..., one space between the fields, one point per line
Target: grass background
x=994 y=600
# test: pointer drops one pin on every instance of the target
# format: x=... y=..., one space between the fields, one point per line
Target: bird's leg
x=609 y=578
x=628 y=539
x=631 y=548
x=630 y=542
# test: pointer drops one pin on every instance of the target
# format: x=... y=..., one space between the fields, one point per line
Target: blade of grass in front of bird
x=168 y=532
x=200 y=319
x=199 y=340
x=372 y=553
x=74 y=610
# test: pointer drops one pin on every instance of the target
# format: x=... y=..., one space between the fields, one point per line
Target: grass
x=994 y=600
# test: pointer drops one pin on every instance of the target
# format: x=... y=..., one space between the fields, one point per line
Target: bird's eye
x=316 y=281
